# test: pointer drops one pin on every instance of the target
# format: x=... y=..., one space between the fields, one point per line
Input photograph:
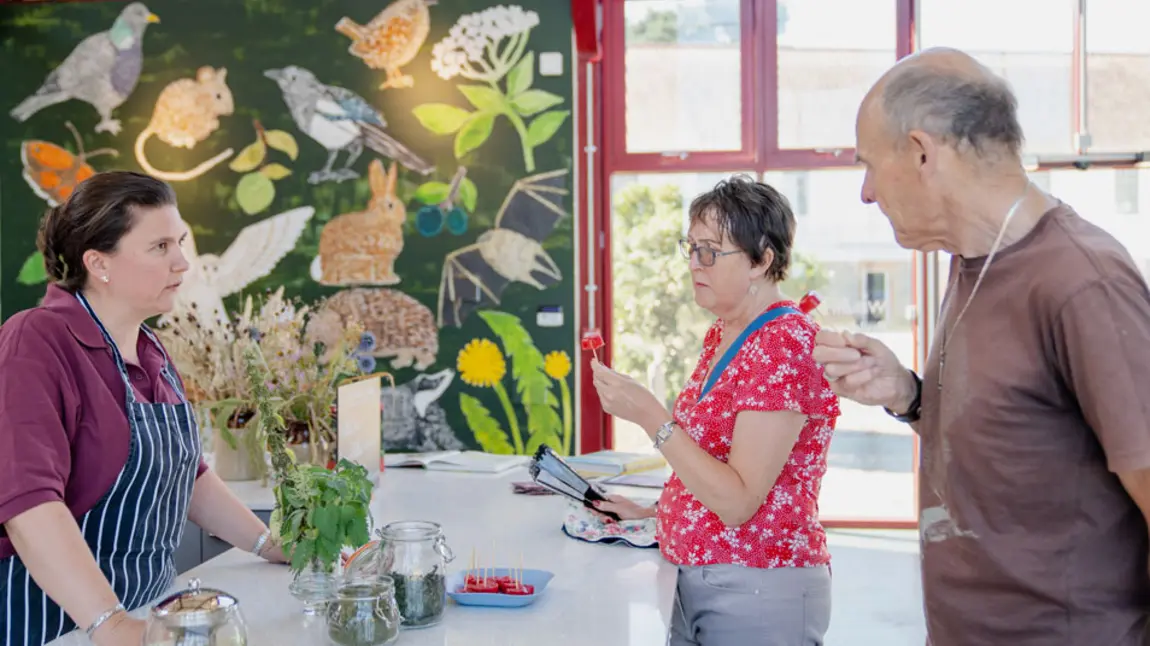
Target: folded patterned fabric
x=583 y=524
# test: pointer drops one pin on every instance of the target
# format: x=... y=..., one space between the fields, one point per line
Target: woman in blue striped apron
x=100 y=465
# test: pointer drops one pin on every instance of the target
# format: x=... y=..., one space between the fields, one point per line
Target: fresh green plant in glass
x=318 y=511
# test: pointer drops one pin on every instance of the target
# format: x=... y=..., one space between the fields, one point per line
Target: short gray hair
x=960 y=108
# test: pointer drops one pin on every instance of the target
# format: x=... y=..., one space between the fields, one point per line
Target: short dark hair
x=979 y=111
x=755 y=216
x=95 y=216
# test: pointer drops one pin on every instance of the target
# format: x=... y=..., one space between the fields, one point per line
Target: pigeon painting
x=102 y=70
x=339 y=120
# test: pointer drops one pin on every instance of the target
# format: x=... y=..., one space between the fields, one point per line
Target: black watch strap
x=914 y=413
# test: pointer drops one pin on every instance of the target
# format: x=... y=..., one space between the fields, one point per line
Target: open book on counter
x=614 y=463
x=469 y=461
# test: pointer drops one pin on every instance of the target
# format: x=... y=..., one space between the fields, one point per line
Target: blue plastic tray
x=537 y=578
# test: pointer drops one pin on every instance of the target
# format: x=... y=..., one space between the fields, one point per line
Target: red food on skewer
x=518 y=589
x=809 y=302
x=482 y=586
x=592 y=340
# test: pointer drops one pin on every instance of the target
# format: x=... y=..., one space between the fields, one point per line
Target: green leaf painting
x=505 y=60
x=545 y=126
x=473 y=133
x=256 y=189
x=438 y=192
x=535 y=101
x=488 y=433
x=255 y=192
x=441 y=118
x=33 y=271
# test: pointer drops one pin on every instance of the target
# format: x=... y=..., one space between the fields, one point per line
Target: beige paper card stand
x=360 y=425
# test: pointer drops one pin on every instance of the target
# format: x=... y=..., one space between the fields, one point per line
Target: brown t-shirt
x=1028 y=537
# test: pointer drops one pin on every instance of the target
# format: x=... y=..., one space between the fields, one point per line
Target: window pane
x=846 y=251
x=658 y=329
x=684 y=75
x=1035 y=60
x=830 y=53
x=1118 y=75
x=1111 y=199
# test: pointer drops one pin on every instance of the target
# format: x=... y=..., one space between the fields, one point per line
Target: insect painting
x=52 y=171
x=475 y=276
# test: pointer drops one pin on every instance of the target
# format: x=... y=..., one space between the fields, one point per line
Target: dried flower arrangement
x=211 y=360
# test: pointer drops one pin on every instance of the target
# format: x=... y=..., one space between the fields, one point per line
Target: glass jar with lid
x=196 y=616
x=414 y=554
x=364 y=613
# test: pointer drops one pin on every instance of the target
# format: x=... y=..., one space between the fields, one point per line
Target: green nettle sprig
x=318 y=511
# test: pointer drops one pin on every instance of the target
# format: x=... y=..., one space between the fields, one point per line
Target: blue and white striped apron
x=135 y=528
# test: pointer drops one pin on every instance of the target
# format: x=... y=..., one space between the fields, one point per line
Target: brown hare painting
x=360 y=248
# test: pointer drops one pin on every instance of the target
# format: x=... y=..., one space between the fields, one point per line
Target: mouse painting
x=188 y=112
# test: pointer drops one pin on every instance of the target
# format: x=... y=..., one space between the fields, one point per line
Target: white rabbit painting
x=360 y=248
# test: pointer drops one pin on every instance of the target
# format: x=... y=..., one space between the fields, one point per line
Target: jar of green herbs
x=415 y=555
x=364 y=613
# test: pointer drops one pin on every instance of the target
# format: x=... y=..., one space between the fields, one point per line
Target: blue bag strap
x=729 y=355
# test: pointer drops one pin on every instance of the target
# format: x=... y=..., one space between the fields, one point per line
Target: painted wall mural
x=406 y=165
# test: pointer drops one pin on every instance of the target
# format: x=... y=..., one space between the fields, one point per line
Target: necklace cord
x=947 y=333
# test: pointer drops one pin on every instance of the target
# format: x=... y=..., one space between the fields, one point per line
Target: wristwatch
x=914 y=413
x=664 y=433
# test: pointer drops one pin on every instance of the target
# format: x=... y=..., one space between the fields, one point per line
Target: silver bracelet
x=102 y=619
x=664 y=433
x=260 y=542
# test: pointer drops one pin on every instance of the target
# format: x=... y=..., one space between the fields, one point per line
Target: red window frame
x=760 y=152
x=759 y=61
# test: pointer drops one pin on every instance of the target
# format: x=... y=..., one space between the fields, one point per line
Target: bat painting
x=512 y=251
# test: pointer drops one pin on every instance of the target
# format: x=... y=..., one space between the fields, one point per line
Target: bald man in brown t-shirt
x=1034 y=408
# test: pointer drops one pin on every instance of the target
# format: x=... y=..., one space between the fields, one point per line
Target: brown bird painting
x=391 y=39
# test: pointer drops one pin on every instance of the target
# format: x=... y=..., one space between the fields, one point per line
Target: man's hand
x=862 y=369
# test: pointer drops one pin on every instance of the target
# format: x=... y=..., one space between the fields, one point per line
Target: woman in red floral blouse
x=747 y=440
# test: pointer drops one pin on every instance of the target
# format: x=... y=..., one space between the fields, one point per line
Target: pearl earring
x=754 y=288
x=105 y=279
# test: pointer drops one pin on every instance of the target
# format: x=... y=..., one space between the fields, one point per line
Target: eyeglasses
x=706 y=254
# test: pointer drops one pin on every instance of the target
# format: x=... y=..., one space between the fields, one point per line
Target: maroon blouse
x=63 y=426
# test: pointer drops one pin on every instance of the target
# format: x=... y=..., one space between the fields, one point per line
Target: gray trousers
x=731 y=605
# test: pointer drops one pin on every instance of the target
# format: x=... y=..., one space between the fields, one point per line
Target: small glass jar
x=315 y=584
x=415 y=555
x=364 y=614
x=196 y=617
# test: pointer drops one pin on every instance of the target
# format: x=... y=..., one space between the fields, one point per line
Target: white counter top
x=603 y=595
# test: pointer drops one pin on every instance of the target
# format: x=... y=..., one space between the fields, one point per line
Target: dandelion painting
x=490 y=47
x=482 y=364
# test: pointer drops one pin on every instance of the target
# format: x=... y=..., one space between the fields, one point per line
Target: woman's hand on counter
x=121 y=630
x=274 y=552
x=624 y=508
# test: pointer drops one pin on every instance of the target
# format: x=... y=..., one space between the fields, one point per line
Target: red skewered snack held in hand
x=809 y=302
x=592 y=341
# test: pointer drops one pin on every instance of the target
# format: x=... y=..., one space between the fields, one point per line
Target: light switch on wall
x=551 y=64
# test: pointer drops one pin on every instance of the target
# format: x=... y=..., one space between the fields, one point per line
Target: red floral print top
x=773 y=371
